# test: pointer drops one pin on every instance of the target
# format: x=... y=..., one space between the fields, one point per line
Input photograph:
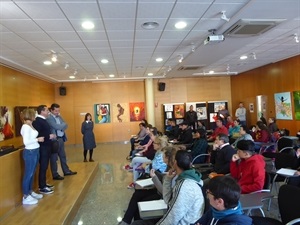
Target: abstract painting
x=102 y=113
x=283 y=106
x=296 y=95
x=137 y=111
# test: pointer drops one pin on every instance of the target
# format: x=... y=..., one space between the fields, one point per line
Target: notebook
x=286 y=172
x=152 y=209
x=145 y=182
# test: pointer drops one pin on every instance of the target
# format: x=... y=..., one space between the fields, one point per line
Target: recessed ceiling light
x=72 y=77
x=159 y=59
x=104 y=61
x=180 y=25
x=88 y=25
x=47 y=62
x=150 y=25
x=211 y=72
x=243 y=57
x=111 y=75
x=150 y=74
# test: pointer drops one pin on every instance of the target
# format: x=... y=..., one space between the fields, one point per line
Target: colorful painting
x=283 y=106
x=18 y=117
x=102 y=113
x=213 y=117
x=296 y=95
x=120 y=112
x=6 y=129
x=137 y=111
x=179 y=111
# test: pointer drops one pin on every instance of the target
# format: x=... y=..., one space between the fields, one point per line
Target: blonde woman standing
x=31 y=156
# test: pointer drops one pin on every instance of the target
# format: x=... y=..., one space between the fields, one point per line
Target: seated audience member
x=230 y=122
x=168 y=126
x=157 y=161
x=221 y=154
x=200 y=125
x=185 y=200
x=186 y=135
x=141 y=195
x=295 y=164
x=272 y=125
x=173 y=133
x=247 y=167
x=234 y=131
x=139 y=137
x=199 y=146
x=220 y=129
x=260 y=135
x=244 y=135
x=144 y=144
x=223 y=194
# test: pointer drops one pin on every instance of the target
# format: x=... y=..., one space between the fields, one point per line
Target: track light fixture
x=296 y=38
x=253 y=55
x=54 y=57
x=75 y=72
x=67 y=65
x=180 y=58
x=224 y=17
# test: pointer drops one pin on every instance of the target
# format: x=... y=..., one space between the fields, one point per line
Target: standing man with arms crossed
x=41 y=125
x=191 y=118
x=58 y=127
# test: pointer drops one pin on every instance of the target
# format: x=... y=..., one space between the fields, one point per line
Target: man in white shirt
x=240 y=113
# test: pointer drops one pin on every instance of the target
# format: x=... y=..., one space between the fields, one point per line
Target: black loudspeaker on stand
x=62 y=91
x=161 y=86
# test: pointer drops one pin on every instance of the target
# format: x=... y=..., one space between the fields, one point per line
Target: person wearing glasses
x=223 y=194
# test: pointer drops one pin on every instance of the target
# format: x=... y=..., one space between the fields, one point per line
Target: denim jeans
x=31 y=158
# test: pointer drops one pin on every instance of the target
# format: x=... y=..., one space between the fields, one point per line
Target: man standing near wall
x=58 y=127
x=240 y=113
x=191 y=117
x=41 y=125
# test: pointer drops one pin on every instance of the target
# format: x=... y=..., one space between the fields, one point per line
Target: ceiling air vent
x=251 y=27
x=190 y=68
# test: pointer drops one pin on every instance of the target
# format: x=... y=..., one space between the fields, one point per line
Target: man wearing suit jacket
x=58 y=127
x=41 y=125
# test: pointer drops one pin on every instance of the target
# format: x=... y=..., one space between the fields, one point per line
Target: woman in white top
x=31 y=156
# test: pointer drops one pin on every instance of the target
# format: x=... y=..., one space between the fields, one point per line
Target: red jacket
x=250 y=173
x=219 y=130
x=261 y=136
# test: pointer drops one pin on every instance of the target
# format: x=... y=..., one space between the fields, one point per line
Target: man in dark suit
x=58 y=127
x=41 y=125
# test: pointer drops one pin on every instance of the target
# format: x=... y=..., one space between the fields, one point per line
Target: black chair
x=289 y=204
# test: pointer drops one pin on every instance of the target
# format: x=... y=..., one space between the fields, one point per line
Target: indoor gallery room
x=149 y=112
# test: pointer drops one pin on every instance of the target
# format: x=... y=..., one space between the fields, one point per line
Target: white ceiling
x=30 y=30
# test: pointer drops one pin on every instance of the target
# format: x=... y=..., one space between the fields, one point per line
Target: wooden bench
x=59 y=207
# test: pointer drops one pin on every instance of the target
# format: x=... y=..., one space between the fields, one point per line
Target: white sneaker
x=36 y=195
x=29 y=200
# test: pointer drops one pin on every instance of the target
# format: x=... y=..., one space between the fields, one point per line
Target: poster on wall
x=18 y=117
x=102 y=113
x=6 y=129
x=137 y=111
x=296 y=95
x=261 y=105
x=120 y=112
x=283 y=106
x=179 y=111
x=251 y=107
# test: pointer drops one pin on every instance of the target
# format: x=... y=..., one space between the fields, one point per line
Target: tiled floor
x=108 y=196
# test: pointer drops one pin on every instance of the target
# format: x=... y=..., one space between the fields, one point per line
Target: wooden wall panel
x=278 y=77
x=19 y=89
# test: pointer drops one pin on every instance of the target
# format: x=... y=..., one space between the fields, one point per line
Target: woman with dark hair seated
x=199 y=146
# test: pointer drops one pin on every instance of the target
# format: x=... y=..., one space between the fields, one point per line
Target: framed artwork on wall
x=251 y=107
x=283 y=106
x=137 y=111
x=296 y=95
x=120 y=112
x=6 y=129
x=102 y=113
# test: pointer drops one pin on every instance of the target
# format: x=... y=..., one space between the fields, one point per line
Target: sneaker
x=130 y=186
x=36 y=195
x=128 y=168
x=50 y=186
x=46 y=190
x=29 y=200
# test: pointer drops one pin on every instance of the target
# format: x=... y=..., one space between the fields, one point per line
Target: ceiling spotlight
x=67 y=65
x=111 y=75
x=180 y=25
x=104 y=61
x=150 y=25
x=54 y=58
x=75 y=72
x=180 y=58
x=193 y=48
x=72 y=77
x=158 y=59
x=253 y=55
x=296 y=38
x=228 y=67
x=88 y=25
x=150 y=74
x=169 y=68
x=47 y=62
x=211 y=72
x=224 y=17
x=243 y=57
